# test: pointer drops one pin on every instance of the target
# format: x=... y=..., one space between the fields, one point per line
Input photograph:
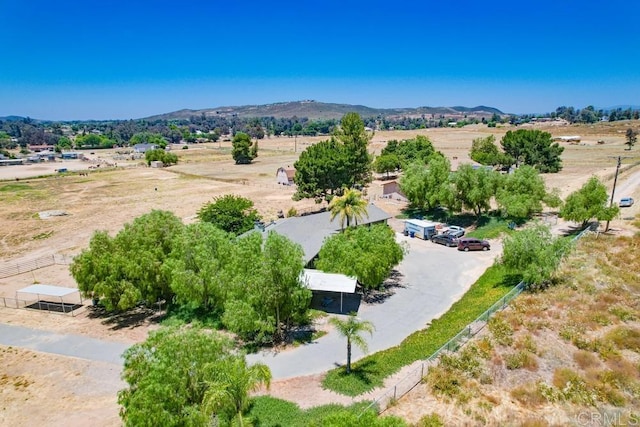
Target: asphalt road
x=433 y=278
x=63 y=344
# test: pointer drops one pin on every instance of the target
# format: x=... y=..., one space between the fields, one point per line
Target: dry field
x=106 y=199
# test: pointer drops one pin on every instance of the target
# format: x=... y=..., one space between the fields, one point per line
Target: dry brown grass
x=583 y=352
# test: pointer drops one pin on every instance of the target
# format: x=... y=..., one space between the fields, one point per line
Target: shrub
x=292 y=212
x=521 y=359
x=585 y=359
x=432 y=420
x=529 y=395
x=501 y=330
x=625 y=337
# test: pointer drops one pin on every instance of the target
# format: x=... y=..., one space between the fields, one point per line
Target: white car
x=626 y=202
x=455 y=231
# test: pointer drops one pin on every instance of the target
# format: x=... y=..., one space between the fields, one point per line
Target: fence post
x=395 y=387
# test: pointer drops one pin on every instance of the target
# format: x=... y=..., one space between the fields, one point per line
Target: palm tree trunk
x=348 y=356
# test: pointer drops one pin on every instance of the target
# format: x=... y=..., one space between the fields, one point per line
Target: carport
x=329 y=282
x=50 y=292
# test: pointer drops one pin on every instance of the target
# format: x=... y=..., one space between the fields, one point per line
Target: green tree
x=355 y=139
x=408 y=151
x=474 y=188
x=534 y=148
x=521 y=193
x=321 y=170
x=427 y=186
x=127 y=269
x=589 y=202
x=352 y=328
x=486 y=152
x=350 y=207
x=282 y=294
x=233 y=214
x=94 y=141
x=186 y=377
x=386 y=163
x=160 y=155
x=368 y=253
x=148 y=138
x=265 y=294
x=231 y=387
x=198 y=266
x=632 y=137
x=534 y=253
x=243 y=152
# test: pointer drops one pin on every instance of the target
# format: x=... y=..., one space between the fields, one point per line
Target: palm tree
x=229 y=392
x=350 y=206
x=351 y=328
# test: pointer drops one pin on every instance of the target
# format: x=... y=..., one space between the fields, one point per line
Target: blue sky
x=117 y=59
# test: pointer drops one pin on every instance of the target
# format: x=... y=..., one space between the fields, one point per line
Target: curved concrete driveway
x=434 y=278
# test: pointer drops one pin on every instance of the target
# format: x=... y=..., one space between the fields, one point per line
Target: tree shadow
x=509 y=280
x=364 y=372
x=138 y=316
x=388 y=289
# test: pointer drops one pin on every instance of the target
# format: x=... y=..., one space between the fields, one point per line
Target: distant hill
x=321 y=110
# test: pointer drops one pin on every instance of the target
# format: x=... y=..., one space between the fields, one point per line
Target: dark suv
x=470 y=244
x=445 y=239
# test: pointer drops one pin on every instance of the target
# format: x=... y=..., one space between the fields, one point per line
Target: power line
x=615 y=181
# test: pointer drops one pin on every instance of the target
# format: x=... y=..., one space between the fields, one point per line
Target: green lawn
x=371 y=371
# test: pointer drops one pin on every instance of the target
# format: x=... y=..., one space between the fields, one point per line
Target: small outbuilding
x=420 y=229
x=326 y=284
x=285 y=176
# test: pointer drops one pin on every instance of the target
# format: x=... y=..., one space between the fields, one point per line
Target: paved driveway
x=434 y=277
x=63 y=344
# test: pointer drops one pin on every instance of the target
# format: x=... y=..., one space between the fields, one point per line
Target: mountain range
x=315 y=110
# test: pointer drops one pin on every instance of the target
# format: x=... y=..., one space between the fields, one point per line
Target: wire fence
x=60 y=307
x=17 y=268
x=415 y=376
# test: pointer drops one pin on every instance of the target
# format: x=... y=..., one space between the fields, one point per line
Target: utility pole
x=615 y=181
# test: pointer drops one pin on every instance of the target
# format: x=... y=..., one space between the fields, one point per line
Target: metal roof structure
x=48 y=290
x=310 y=231
x=317 y=280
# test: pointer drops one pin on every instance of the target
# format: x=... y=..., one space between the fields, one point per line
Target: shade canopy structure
x=51 y=298
x=329 y=282
x=48 y=290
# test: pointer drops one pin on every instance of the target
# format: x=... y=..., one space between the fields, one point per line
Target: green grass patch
x=267 y=411
x=14 y=187
x=490 y=227
x=371 y=371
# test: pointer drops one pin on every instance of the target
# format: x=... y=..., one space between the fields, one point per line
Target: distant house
x=143 y=148
x=37 y=148
x=71 y=155
x=285 y=176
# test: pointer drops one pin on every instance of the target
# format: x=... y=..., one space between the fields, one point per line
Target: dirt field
x=106 y=199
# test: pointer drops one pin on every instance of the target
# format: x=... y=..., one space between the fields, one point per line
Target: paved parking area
x=433 y=277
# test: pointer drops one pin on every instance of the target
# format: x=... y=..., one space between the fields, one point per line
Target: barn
x=285 y=176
